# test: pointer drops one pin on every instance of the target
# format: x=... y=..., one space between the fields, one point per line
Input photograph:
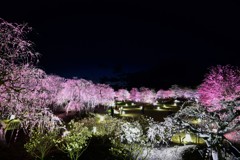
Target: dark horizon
x=147 y=44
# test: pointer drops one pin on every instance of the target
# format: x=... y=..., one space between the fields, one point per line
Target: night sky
x=138 y=43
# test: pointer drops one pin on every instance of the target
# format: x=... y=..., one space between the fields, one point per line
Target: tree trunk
x=112 y=111
x=2 y=136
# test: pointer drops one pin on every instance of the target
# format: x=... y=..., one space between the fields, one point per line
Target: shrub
x=129 y=141
x=75 y=141
x=40 y=144
x=101 y=125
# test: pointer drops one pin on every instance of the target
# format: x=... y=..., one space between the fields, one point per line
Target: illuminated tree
x=21 y=91
x=15 y=51
x=212 y=127
x=163 y=94
x=159 y=94
x=147 y=95
x=52 y=85
x=14 y=47
x=107 y=94
x=72 y=95
x=184 y=92
x=219 y=93
x=16 y=55
x=191 y=94
x=135 y=95
x=80 y=94
x=31 y=104
x=122 y=95
x=221 y=84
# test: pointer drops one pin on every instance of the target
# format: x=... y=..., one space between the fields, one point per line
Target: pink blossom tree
x=168 y=94
x=187 y=93
x=31 y=104
x=21 y=91
x=122 y=95
x=191 y=94
x=52 y=85
x=220 y=87
x=147 y=95
x=159 y=94
x=16 y=55
x=163 y=94
x=178 y=92
x=221 y=84
x=80 y=94
x=90 y=95
x=135 y=95
x=107 y=94
x=15 y=52
x=14 y=47
x=71 y=95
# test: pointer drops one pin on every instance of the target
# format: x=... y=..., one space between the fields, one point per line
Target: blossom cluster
x=131 y=132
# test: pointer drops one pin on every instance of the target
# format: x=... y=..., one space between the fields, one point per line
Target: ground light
x=12 y=117
x=120 y=110
x=101 y=118
x=199 y=120
x=115 y=111
x=176 y=101
x=94 y=130
x=196 y=121
x=186 y=138
x=165 y=106
x=161 y=109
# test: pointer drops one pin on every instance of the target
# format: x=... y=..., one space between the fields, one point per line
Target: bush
x=75 y=141
x=40 y=144
x=101 y=125
x=129 y=141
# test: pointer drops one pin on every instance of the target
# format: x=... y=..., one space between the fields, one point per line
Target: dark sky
x=144 y=43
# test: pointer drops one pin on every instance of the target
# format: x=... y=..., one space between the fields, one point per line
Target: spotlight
x=94 y=129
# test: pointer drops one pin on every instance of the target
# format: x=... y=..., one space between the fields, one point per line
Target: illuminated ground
x=157 y=112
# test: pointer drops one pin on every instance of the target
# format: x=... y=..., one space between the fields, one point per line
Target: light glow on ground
x=187 y=138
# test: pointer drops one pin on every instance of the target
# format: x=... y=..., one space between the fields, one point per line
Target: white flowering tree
x=130 y=140
x=212 y=127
